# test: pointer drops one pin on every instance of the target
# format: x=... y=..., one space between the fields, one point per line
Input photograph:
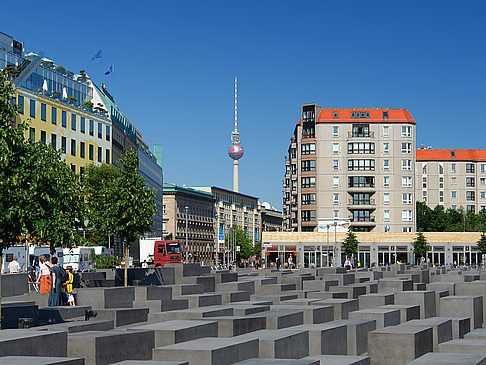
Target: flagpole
x=113 y=72
x=101 y=83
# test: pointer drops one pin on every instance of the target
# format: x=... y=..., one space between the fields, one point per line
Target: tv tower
x=235 y=151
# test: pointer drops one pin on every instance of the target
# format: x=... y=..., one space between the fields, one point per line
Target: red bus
x=167 y=252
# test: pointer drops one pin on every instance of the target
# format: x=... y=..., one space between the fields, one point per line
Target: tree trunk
x=126 y=266
x=1 y=262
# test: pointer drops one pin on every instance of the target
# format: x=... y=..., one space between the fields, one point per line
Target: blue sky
x=175 y=63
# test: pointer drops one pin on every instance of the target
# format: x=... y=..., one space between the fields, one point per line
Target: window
x=406 y=181
x=73 y=122
x=386 y=215
x=21 y=104
x=43 y=137
x=308 y=165
x=308 y=215
x=335 y=164
x=470 y=168
x=424 y=170
x=361 y=130
x=100 y=130
x=335 y=198
x=32 y=108
x=83 y=125
x=361 y=165
x=386 y=131
x=100 y=154
x=362 y=216
x=482 y=195
x=32 y=134
x=308 y=199
x=73 y=147
x=470 y=195
x=91 y=128
x=386 y=181
x=336 y=213
x=309 y=149
x=63 y=145
x=64 y=119
x=386 y=164
x=73 y=168
x=385 y=114
x=406 y=148
x=335 y=115
x=441 y=170
x=164 y=211
x=386 y=198
x=309 y=132
x=482 y=181
x=453 y=167
x=454 y=207
x=335 y=148
x=361 y=182
x=406 y=198
x=406 y=164
x=91 y=152
x=407 y=229
x=107 y=132
x=453 y=194
x=470 y=208
x=107 y=156
x=335 y=181
x=43 y=112
x=406 y=215
x=483 y=168
x=335 y=131
x=362 y=147
x=470 y=182
x=54 y=141
x=82 y=147
x=406 y=131
x=424 y=182
x=362 y=199
x=309 y=182
x=54 y=115
x=360 y=114
x=386 y=148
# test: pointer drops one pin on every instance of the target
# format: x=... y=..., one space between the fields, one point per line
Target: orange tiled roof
x=376 y=116
x=445 y=155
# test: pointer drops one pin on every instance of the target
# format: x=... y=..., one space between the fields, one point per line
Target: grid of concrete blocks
x=398 y=314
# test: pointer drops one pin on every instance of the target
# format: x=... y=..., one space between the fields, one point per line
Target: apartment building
x=190 y=211
x=451 y=178
x=351 y=164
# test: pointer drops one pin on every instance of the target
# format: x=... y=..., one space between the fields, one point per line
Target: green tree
x=257 y=249
x=104 y=261
x=132 y=207
x=98 y=185
x=482 y=244
x=246 y=247
x=350 y=244
x=420 y=245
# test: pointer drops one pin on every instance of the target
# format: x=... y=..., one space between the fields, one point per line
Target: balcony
x=362 y=221
x=294 y=192
x=361 y=188
x=306 y=135
x=361 y=135
x=294 y=208
x=361 y=204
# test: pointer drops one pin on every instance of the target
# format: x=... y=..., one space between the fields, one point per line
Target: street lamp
x=335 y=243
x=328 y=258
x=186 y=249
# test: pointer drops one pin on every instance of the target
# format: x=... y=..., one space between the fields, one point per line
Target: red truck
x=167 y=252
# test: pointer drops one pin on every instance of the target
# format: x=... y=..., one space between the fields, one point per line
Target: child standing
x=68 y=287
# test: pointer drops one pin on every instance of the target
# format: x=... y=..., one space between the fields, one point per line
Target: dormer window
x=335 y=115
x=385 y=115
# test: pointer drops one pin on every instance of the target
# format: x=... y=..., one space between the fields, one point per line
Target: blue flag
x=109 y=71
x=97 y=55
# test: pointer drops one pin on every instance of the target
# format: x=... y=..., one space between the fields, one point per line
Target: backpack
x=63 y=275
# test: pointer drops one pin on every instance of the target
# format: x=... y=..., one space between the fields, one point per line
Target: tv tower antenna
x=235 y=151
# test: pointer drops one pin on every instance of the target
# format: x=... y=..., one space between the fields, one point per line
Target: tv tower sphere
x=235 y=151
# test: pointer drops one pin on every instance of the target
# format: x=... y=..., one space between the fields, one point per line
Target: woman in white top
x=44 y=275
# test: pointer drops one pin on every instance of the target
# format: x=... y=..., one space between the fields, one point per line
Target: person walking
x=44 y=276
x=13 y=266
x=278 y=263
x=56 y=285
x=67 y=287
x=347 y=264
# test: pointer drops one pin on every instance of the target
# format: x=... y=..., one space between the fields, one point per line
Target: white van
x=77 y=257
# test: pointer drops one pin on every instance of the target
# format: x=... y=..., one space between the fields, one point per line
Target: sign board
x=237 y=248
x=221 y=238
x=267 y=244
x=342 y=225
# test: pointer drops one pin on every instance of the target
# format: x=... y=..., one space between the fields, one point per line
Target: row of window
x=73 y=146
x=360 y=215
x=470 y=182
x=470 y=169
x=363 y=130
x=406 y=198
x=74 y=118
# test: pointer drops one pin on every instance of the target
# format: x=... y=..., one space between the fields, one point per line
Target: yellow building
x=83 y=136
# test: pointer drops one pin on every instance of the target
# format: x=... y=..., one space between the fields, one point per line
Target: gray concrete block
x=185 y=289
x=121 y=317
x=40 y=360
x=306 y=301
x=13 y=310
x=106 y=298
x=281 y=344
x=59 y=314
x=234 y=296
x=221 y=351
x=231 y=326
x=441 y=329
x=23 y=342
x=246 y=309
x=463 y=306
x=388 y=285
x=322 y=295
x=440 y=286
x=153 y=293
x=78 y=326
x=479 y=333
x=384 y=317
x=407 y=312
x=201 y=300
x=352 y=290
x=326 y=338
x=464 y=346
x=150 y=362
x=312 y=314
x=208 y=283
x=358 y=334
x=375 y=300
x=14 y=284
x=99 y=348
x=460 y=327
x=399 y=344
x=473 y=288
x=449 y=359
x=279 y=362
x=192 y=313
x=342 y=307
x=274 y=298
x=426 y=300
x=281 y=319
x=342 y=279
x=341 y=360
x=172 y=332
x=248 y=286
